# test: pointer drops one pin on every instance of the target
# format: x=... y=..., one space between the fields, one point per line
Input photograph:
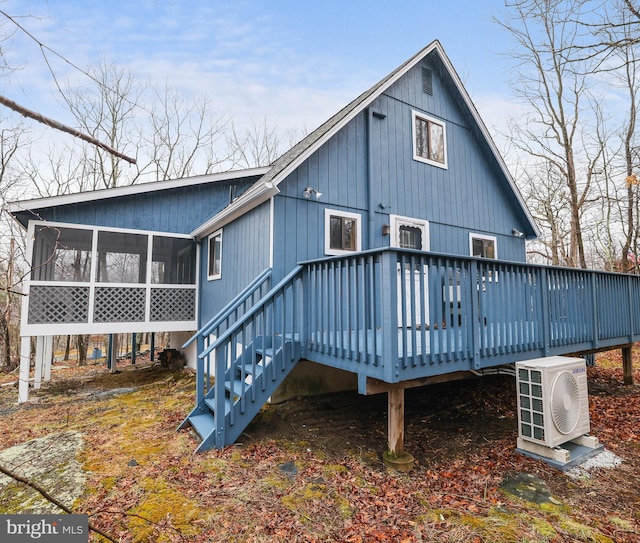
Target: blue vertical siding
x=177 y=210
x=245 y=254
x=470 y=195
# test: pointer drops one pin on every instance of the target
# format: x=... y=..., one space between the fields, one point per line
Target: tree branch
x=49 y=498
x=64 y=128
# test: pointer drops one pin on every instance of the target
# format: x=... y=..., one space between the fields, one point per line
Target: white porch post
x=44 y=354
x=25 y=364
x=39 y=362
x=48 y=357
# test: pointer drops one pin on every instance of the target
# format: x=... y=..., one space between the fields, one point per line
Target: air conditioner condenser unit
x=553 y=402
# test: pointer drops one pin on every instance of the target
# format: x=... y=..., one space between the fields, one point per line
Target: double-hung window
x=429 y=140
x=215 y=256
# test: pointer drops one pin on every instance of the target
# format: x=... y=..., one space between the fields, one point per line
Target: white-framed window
x=214 y=266
x=429 y=140
x=409 y=233
x=342 y=232
x=483 y=246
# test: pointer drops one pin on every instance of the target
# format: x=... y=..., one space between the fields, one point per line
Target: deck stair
x=243 y=358
x=247 y=385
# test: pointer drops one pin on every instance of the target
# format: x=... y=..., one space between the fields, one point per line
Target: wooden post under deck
x=395 y=418
x=396 y=456
x=627 y=366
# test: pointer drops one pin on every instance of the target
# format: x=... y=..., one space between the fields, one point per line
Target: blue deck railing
x=401 y=314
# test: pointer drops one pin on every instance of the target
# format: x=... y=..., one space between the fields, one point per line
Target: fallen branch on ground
x=49 y=498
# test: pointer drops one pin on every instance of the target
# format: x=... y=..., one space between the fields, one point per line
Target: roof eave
x=251 y=199
x=129 y=190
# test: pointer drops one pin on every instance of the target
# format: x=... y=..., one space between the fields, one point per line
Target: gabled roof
x=267 y=185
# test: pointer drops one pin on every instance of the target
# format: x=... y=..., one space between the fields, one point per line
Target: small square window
x=429 y=140
x=215 y=255
x=483 y=246
x=342 y=232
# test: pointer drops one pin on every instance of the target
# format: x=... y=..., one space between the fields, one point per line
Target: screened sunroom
x=88 y=279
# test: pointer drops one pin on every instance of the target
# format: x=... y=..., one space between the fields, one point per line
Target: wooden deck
x=396 y=318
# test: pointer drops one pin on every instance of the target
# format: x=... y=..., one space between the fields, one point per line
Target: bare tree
x=108 y=116
x=626 y=52
x=183 y=138
x=610 y=25
x=612 y=41
x=555 y=89
x=258 y=145
x=12 y=141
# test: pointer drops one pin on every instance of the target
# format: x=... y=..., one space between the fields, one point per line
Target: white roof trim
x=280 y=176
x=250 y=199
x=101 y=194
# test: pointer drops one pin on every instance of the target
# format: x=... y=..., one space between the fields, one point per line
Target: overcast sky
x=294 y=63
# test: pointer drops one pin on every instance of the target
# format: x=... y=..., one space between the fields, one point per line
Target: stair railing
x=276 y=318
x=221 y=322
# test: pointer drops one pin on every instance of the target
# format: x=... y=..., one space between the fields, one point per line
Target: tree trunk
x=5 y=344
x=83 y=342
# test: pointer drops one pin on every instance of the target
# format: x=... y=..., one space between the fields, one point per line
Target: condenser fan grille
x=565 y=402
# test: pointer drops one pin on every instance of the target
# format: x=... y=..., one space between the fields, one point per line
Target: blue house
x=385 y=250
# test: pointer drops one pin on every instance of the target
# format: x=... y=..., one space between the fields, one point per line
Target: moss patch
x=51 y=463
x=163 y=513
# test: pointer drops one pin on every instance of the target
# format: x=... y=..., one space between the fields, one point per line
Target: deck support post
x=627 y=366
x=396 y=456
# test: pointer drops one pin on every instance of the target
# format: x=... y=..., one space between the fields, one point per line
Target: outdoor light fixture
x=309 y=191
x=517 y=233
x=386 y=229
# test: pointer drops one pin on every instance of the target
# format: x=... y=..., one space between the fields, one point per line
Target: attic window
x=427 y=81
x=429 y=140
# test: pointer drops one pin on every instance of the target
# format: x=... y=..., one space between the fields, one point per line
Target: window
x=82 y=255
x=215 y=255
x=173 y=261
x=342 y=232
x=429 y=140
x=408 y=233
x=483 y=246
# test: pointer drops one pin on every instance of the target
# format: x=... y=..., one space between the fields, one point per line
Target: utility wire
x=44 y=47
x=51 y=122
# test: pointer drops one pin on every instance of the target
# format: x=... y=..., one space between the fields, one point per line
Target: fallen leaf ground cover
x=310 y=469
